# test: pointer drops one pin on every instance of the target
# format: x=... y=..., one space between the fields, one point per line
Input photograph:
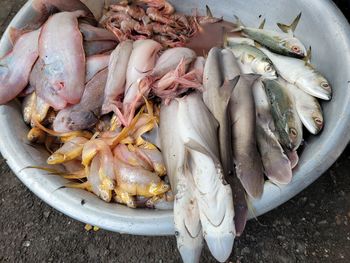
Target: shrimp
x=134 y=11
x=155 y=15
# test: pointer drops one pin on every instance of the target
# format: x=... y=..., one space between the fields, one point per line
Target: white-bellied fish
x=302 y=74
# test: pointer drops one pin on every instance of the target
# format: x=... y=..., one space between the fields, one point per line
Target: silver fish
x=284 y=43
x=253 y=60
x=245 y=152
x=302 y=74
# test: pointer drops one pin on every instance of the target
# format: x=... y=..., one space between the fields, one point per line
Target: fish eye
x=268 y=68
x=325 y=85
x=296 y=49
x=293 y=132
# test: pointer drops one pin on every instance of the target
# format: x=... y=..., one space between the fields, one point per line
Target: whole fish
x=287 y=121
x=86 y=113
x=98 y=47
x=115 y=87
x=276 y=164
x=245 y=151
x=198 y=131
x=15 y=67
x=97 y=185
x=95 y=64
x=62 y=54
x=188 y=176
x=253 y=60
x=284 y=43
x=141 y=63
x=308 y=108
x=138 y=181
x=188 y=229
x=302 y=74
x=170 y=59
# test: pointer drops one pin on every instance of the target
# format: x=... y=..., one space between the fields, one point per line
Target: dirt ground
x=314 y=226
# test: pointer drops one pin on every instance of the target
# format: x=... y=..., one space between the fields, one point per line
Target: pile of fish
x=145 y=125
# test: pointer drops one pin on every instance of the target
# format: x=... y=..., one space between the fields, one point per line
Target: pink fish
x=115 y=86
x=62 y=54
x=141 y=64
x=15 y=67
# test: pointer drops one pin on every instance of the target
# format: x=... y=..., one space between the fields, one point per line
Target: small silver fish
x=284 y=43
x=302 y=74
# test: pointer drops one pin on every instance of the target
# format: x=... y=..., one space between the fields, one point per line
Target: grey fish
x=277 y=165
x=284 y=43
x=253 y=60
x=85 y=114
x=245 y=151
x=287 y=121
x=221 y=74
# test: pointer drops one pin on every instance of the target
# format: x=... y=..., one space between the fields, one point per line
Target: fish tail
x=289 y=29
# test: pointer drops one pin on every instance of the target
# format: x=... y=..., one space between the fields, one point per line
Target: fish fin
x=195 y=146
x=262 y=25
x=227 y=89
x=208 y=11
x=238 y=25
x=289 y=29
x=308 y=56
